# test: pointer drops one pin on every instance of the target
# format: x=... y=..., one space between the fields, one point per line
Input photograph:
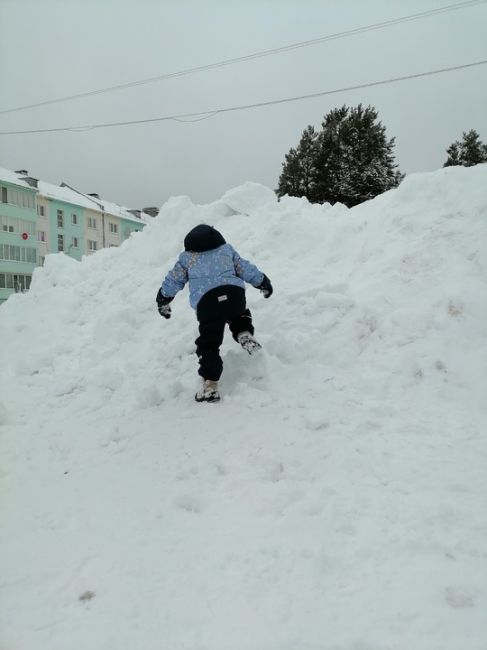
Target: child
x=216 y=274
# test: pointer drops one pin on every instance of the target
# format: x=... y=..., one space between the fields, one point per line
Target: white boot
x=248 y=342
x=208 y=392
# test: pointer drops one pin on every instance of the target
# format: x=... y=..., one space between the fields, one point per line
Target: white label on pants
x=222 y=298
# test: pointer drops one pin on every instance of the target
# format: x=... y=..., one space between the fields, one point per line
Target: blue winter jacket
x=208 y=269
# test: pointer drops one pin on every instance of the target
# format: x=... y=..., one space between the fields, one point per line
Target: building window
x=113 y=228
x=28 y=255
x=16 y=253
x=60 y=243
x=9 y=224
x=41 y=210
x=41 y=235
x=92 y=222
x=75 y=243
x=91 y=245
x=15 y=281
x=60 y=219
x=74 y=219
x=18 y=197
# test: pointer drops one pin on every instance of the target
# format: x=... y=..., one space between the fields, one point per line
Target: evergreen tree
x=289 y=181
x=473 y=150
x=307 y=156
x=356 y=160
x=470 y=151
x=350 y=160
x=453 y=152
x=331 y=173
x=298 y=169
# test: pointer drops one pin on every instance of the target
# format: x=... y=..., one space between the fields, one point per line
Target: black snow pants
x=222 y=305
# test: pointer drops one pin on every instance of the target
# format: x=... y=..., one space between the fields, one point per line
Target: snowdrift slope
x=335 y=499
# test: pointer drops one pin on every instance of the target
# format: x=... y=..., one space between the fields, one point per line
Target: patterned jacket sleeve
x=246 y=270
x=175 y=280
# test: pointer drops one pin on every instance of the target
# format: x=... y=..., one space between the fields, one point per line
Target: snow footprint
x=189 y=503
x=459 y=598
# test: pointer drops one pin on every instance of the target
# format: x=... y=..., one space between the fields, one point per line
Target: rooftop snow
x=11 y=177
x=68 y=195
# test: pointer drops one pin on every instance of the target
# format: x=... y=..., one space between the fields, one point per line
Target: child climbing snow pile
x=216 y=275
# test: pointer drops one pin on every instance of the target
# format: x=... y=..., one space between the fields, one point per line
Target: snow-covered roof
x=117 y=210
x=12 y=177
x=70 y=195
x=65 y=194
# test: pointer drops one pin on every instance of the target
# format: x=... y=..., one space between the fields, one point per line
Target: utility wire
x=186 y=117
x=255 y=55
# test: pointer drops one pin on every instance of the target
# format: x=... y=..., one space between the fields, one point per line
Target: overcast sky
x=55 y=48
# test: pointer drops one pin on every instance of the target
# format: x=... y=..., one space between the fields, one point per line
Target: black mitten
x=266 y=287
x=163 y=304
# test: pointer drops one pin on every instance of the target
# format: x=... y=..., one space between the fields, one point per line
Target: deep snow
x=335 y=499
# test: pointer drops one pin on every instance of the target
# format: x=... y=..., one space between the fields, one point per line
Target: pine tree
x=356 y=161
x=289 y=181
x=474 y=151
x=470 y=151
x=307 y=156
x=350 y=160
x=453 y=152
x=331 y=172
x=298 y=169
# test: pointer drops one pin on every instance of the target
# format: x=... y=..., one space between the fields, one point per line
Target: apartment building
x=18 y=244
x=39 y=219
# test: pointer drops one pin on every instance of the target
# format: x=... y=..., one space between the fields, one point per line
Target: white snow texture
x=334 y=500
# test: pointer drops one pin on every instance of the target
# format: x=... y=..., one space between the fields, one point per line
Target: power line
x=255 y=55
x=186 y=117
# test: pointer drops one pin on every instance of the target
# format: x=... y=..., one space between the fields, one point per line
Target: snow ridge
x=339 y=481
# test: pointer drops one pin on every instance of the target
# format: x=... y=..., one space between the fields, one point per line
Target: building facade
x=18 y=235
x=39 y=219
x=65 y=229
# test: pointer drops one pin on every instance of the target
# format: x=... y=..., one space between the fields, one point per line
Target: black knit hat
x=203 y=238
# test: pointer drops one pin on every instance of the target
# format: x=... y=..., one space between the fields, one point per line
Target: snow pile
x=248 y=197
x=335 y=498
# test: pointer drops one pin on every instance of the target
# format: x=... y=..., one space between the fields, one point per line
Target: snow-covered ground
x=336 y=499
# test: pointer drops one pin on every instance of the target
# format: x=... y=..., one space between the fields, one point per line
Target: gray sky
x=55 y=48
